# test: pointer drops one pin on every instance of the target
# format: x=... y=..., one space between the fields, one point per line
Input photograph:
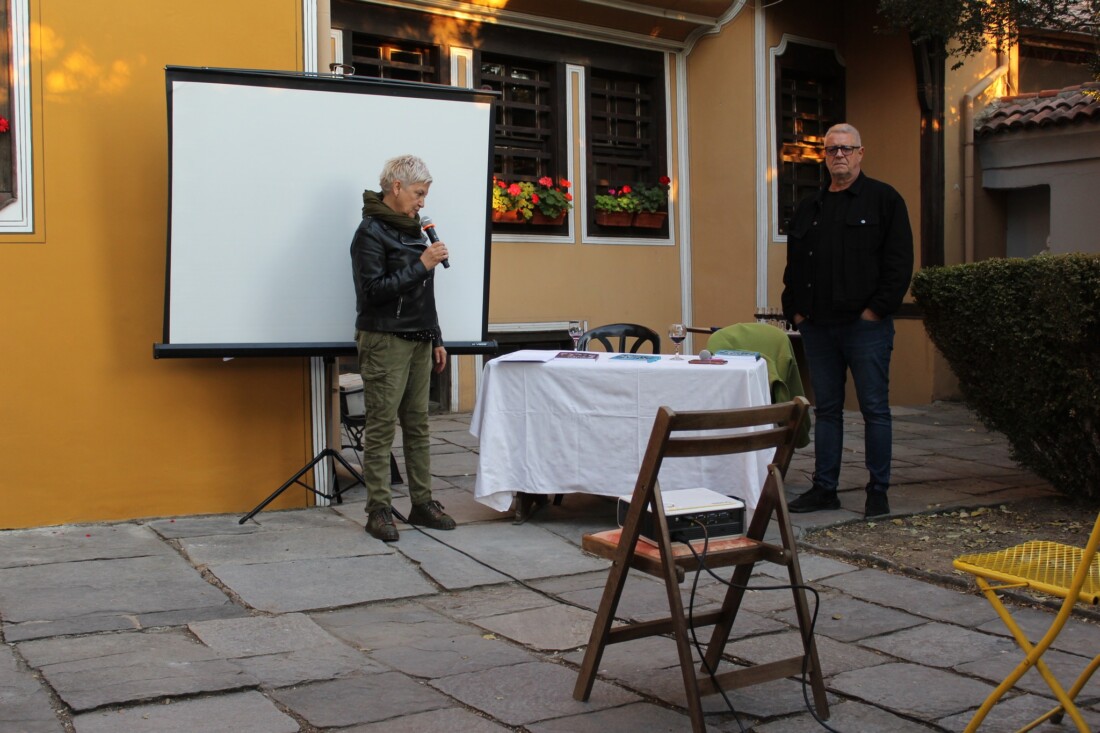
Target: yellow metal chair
x=1070 y=573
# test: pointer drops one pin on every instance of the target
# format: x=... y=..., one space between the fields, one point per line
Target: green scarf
x=373 y=206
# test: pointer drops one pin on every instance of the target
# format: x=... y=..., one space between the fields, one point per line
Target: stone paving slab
x=626 y=719
x=266 y=521
x=355 y=700
x=1016 y=712
x=940 y=645
x=432 y=658
x=912 y=690
x=56 y=545
x=447 y=720
x=914 y=597
x=848 y=716
x=524 y=552
x=1077 y=635
x=451 y=569
x=345 y=540
x=1065 y=667
x=834 y=656
x=283 y=650
x=303 y=585
x=106 y=595
x=480 y=603
x=386 y=625
x=25 y=706
x=554 y=628
x=527 y=693
x=109 y=669
x=850 y=619
x=242 y=712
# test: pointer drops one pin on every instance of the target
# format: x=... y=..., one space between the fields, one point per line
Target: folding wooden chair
x=1070 y=573
x=706 y=433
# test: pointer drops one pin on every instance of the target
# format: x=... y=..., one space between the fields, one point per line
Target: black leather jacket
x=394 y=292
x=874 y=260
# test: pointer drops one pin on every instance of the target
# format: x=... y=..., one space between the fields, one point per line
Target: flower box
x=543 y=220
x=508 y=217
x=614 y=218
x=650 y=219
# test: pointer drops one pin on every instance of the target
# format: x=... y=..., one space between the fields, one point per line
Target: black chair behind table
x=353 y=419
x=623 y=333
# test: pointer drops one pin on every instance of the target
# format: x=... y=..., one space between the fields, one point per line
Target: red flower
x=546 y=181
x=534 y=198
x=664 y=180
x=568 y=196
x=625 y=189
x=564 y=183
x=514 y=190
x=3 y=124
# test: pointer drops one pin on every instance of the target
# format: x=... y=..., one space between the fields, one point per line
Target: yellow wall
x=722 y=144
x=91 y=426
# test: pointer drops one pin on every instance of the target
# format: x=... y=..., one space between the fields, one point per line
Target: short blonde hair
x=408 y=169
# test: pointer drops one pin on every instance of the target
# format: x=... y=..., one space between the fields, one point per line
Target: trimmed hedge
x=1023 y=337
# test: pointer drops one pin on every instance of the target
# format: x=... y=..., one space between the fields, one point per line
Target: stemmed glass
x=575 y=332
x=676 y=333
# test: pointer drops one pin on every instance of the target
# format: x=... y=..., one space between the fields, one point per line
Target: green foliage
x=552 y=199
x=972 y=25
x=1023 y=338
x=621 y=199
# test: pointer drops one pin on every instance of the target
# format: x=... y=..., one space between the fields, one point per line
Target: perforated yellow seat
x=1047 y=567
x=1070 y=573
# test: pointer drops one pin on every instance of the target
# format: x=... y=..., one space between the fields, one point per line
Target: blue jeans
x=864 y=348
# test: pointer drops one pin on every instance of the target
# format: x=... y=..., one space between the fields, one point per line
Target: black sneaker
x=814 y=500
x=877 y=504
x=431 y=515
x=380 y=525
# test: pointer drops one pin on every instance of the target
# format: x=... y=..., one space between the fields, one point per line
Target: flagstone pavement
x=301 y=622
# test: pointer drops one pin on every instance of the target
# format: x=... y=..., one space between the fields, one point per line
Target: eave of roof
x=1078 y=104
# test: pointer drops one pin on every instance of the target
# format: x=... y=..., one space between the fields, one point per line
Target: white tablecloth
x=572 y=425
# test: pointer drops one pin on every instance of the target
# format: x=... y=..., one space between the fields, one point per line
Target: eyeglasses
x=834 y=150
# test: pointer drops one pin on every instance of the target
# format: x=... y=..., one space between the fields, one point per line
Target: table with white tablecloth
x=566 y=425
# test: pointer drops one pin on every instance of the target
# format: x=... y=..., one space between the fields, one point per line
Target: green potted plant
x=551 y=201
x=512 y=201
x=652 y=201
x=616 y=207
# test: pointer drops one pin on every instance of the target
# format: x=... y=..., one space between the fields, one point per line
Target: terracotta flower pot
x=539 y=218
x=507 y=217
x=614 y=218
x=650 y=219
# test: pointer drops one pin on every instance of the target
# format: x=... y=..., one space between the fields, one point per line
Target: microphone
x=433 y=237
x=704 y=355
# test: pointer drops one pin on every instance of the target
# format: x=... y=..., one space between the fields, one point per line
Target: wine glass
x=575 y=332
x=676 y=333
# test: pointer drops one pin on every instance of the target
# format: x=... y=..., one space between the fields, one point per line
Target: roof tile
x=1050 y=107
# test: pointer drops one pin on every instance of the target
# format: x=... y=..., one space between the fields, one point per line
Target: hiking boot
x=814 y=500
x=877 y=504
x=380 y=525
x=430 y=515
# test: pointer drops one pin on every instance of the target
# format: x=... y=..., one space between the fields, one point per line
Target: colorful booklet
x=737 y=352
x=576 y=355
x=636 y=357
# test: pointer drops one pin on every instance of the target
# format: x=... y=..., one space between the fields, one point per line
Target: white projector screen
x=267 y=176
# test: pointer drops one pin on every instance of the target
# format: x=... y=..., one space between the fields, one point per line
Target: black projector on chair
x=692 y=514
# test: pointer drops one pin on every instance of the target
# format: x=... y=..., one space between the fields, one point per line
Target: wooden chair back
x=622 y=332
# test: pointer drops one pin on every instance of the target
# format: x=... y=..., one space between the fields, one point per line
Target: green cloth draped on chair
x=775 y=346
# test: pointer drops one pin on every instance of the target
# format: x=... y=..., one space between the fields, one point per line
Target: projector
x=721 y=516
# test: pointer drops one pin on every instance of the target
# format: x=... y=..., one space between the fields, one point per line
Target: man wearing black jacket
x=849 y=262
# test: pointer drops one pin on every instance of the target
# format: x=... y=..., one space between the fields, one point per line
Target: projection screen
x=267 y=172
